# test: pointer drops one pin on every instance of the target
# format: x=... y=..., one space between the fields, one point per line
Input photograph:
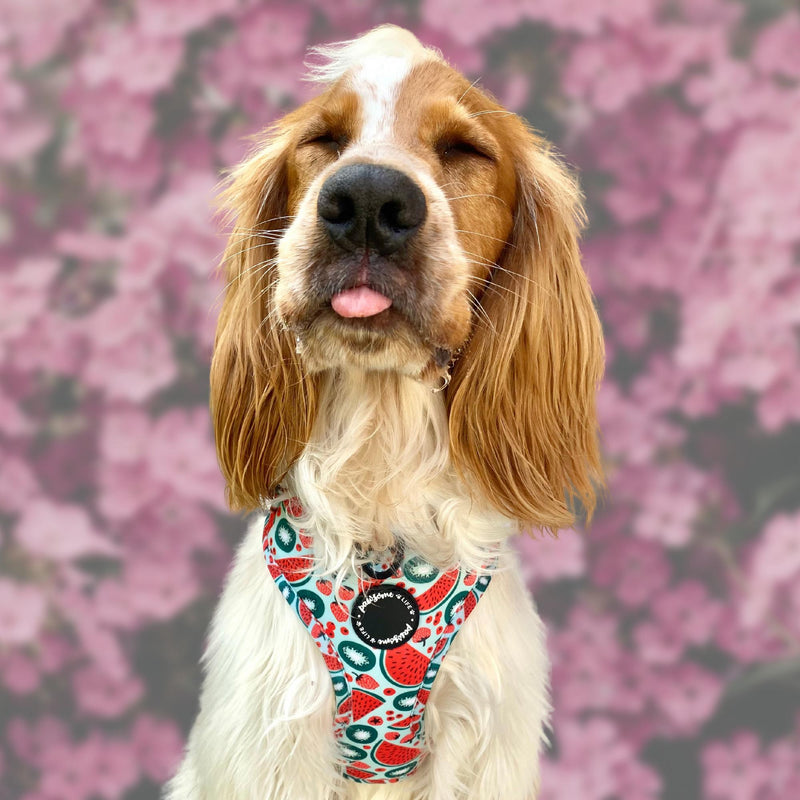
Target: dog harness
x=383 y=635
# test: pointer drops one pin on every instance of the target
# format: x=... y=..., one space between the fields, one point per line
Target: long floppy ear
x=522 y=396
x=262 y=403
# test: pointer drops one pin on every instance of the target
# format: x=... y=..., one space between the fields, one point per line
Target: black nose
x=373 y=206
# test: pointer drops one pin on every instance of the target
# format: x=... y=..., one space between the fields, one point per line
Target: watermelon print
x=380 y=693
x=405 y=665
x=285 y=536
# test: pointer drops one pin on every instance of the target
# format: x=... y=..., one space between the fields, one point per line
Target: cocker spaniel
x=403 y=378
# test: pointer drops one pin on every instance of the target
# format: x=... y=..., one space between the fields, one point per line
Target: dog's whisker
x=485 y=236
x=491 y=111
x=481 y=194
x=467 y=90
x=481 y=311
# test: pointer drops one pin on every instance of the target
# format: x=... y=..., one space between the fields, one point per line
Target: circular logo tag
x=385 y=617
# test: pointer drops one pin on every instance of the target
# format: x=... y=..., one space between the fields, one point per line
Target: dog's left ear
x=522 y=396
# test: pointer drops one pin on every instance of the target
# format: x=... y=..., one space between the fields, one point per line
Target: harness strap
x=383 y=635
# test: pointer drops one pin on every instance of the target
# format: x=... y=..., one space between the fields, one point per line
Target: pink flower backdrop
x=674 y=622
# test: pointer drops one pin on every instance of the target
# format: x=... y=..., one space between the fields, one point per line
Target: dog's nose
x=370 y=205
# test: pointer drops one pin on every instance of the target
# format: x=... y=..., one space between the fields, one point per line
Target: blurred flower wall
x=674 y=622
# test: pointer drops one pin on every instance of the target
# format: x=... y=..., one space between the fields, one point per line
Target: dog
x=404 y=376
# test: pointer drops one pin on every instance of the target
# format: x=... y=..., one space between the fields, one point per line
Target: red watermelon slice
x=433 y=596
x=359 y=773
x=332 y=662
x=404 y=665
x=469 y=604
x=393 y=755
x=360 y=703
x=294 y=569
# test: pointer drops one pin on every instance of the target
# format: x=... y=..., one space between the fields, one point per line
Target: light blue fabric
x=383 y=639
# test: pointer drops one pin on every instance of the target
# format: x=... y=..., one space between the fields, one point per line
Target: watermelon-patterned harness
x=383 y=636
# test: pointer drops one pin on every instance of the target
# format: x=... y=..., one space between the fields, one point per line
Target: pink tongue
x=359 y=302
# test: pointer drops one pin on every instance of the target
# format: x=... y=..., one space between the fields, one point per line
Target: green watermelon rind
x=415 y=568
x=457 y=600
x=369 y=657
x=352 y=752
x=405 y=701
x=399 y=772
x=281 y=530
x=313 y=601
x=368 y=731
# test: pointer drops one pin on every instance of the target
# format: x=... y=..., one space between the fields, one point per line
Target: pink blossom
x=31 y=740
x=39 y=27
x=282 y=25
x=475 y=20
x=775 y=52
x=157 y=19
x=55 y=653
x=595 y=763
x=182 y=456
x=22 y=611
x=586 y=18
x=777 y=557
x=20 y=673
x=12 y=419
x=95 y=639
x=673 y=496
x=658 y=644
x=630 y=431
x=686 y=696
x=134 y=368
x=549 y=558
x=124 y=435
x=18 y=484
x=103 y=695
x=158 y=744
x=775 y=561
x=171 y=529
x=634 y=571
x=96 y=766
x=734 y=772
x=125 y=490
x=159 y=590
x=151 y=62
x=59 y=532
x=112 y=121
x=777 y=405
x=24 y=294
x=687 y=610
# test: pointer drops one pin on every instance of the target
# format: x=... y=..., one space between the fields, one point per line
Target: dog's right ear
x=262 y=402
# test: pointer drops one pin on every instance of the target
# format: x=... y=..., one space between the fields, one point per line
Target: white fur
x=386 y=41
x=265 y=727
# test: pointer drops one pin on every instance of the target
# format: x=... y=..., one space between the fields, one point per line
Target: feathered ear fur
x=522 y=396
x=262 y=402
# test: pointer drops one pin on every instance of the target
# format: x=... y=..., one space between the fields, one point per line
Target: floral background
x=674 y=622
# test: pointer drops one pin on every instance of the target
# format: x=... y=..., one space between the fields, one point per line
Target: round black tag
x=385 y=616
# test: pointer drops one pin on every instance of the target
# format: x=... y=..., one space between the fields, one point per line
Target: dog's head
x=404 y=221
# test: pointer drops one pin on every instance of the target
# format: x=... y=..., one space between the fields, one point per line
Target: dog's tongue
x=359 y=302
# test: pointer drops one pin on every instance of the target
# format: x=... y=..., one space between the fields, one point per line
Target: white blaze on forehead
x=377 y=82
x=375 y=65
